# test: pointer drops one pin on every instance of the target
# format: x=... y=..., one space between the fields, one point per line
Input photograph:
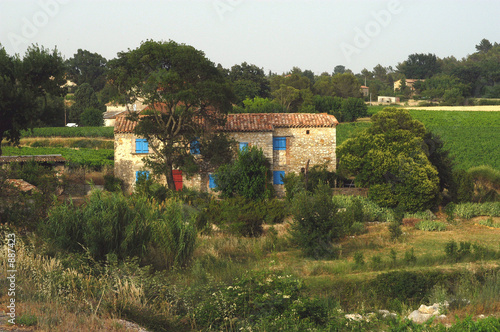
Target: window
x=279 y=143
x=195 y=147
x=278 y=177
x=211 y=181
x=141 y=145
x=243 y=145
x=141 y=175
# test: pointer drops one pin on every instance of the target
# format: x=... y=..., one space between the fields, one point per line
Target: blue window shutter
x=141 y=145
x=279 y=143
x=138 y=174
x=195 y=147
x=243 y=145
x=278 y=177
x=211 y=181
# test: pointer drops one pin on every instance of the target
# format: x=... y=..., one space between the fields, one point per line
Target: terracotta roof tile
x=256 y=121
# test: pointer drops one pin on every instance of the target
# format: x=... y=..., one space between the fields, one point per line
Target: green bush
x=430 y=226
x=258 y=300
x=317 y=223
x=109 y=223
x=248 y=176
x=471 y=210
x=405 y=286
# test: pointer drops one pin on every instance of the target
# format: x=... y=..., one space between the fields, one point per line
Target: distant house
x=365 y=91
x=110 y=117
x=288 y=140
x=409 y=83
x=387 y=100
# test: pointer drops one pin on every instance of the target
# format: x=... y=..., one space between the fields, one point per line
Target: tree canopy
x=390 y=159
x=187 y=96
x=25 y=88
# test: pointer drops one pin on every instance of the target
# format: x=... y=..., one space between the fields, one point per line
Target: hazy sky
x=275 y=35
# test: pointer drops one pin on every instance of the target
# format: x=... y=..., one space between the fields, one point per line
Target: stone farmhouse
x=288 y=140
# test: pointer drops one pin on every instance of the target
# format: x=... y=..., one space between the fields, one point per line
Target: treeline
x=445 y=80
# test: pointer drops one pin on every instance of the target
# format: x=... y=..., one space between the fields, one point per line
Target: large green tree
x=390 y=159
x=87 y=67
x=26 y=86
x=249 y=81
x=420 y=65
x=85 y=98
x=189 y=98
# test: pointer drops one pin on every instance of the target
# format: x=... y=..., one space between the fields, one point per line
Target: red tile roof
x=256 y=122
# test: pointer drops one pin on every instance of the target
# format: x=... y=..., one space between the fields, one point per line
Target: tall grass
x=111 y=224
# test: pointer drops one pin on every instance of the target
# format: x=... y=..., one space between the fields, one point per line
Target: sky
x=274 y=35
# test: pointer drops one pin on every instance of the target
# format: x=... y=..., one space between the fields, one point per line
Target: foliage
x=249 y=81
x=248 y=176
x=389 y=159
x=106 y=132
x=430 y=226
x=462 y=187
x=471 y=210
x=317 y=224
x=24 y=87
x=26 y=209
x=91 y=117
x=187 y=97
x=244 y=217
x=260 y=298
x=486 y=183
x=85 y=98
x=419 y=65
x=112 y=183
x=111 y=224
x=258 y=105
x=316 y=176
x=92 y=158
x=352 y=109
x=86 y=67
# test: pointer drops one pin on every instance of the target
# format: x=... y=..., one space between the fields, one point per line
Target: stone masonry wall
x=127 y=162
x=314 y=144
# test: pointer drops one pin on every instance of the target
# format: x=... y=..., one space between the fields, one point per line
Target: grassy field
x=473 y=138
x=92 y=158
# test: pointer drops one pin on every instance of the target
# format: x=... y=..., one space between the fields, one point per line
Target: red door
x=177 y=174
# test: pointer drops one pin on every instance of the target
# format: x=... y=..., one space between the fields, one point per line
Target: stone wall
x=127 y=162
x=316 y=145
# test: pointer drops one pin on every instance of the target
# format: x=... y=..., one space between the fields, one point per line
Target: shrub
x=316 y=223
x=238 y=215
x=430 y=226
x=109 y=223
x=395 y=231
x=248 y=176
x=471 y=210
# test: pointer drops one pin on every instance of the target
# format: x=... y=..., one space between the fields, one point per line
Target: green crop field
x=473 y=138
x=91 y=158
x=106 y=132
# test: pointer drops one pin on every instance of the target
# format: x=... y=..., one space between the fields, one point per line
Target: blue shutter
x=211 y=181
x=243 y=145
x=141 y=145
x=278 y=177
x=140 y=174
x=279 y=143
x=195 y=147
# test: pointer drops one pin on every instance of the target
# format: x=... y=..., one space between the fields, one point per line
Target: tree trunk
x=169 y=176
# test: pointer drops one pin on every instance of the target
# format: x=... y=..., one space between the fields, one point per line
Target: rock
x=424 y=313
x=355 y=317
